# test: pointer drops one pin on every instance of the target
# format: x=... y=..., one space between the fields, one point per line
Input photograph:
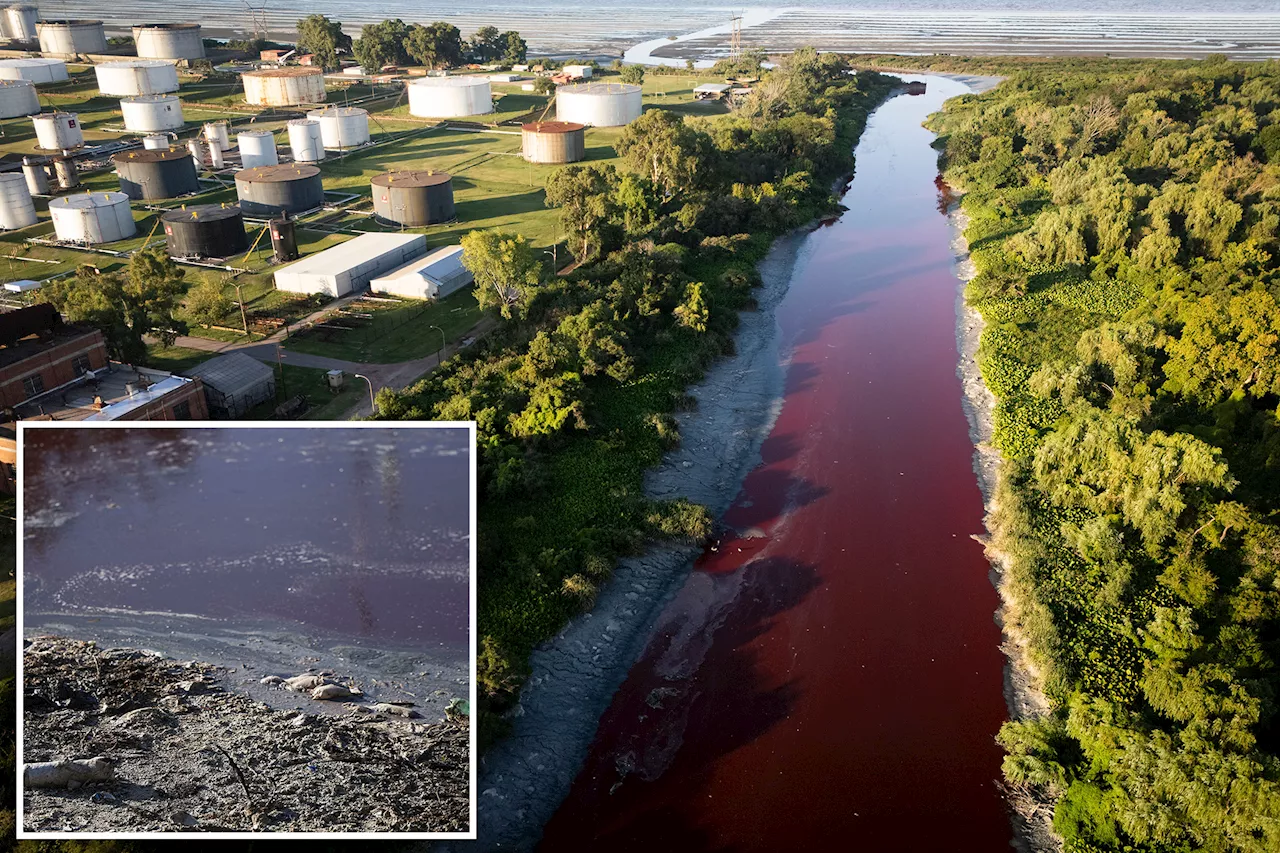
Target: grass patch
x=399 y=332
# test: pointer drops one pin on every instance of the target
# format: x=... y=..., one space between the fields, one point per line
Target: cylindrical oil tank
x=18 y=98
x=20 y=22
x=284 y=239
x=305 y=142
x=217 y=130
x=136 y=77
x=155 y=141
x=197 y=149
x=342 y=127
x=284 y=87
x=56 y=131
x=257 y=148
x=36 y=177
x=92 y=218
x=216 y=160
x=69 y=38
x=64 y=169
x=599 y=104
x=450 y=97
x=16 y=208
x=553 y=142
x=205 y=231
x=156 y=174
x=272 y=190
x=413 y=198
x=37 y=70
x=149 y=113
x=169 y=41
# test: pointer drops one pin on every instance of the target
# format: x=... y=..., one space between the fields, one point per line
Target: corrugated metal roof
x=442 y=265
x=232 y=373
x=352 y=253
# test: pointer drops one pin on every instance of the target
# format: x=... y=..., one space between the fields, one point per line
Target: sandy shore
x=191 y=753
x=1033 y=831
x=525 y=777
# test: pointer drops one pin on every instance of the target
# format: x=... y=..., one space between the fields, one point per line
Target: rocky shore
x=121 y=740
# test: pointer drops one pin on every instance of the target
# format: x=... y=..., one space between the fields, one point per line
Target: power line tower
x=735 y=38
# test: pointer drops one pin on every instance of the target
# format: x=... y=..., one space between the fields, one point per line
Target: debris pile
x=124 y=740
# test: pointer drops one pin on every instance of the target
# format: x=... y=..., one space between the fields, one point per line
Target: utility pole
x=735 y=38
x=373 y=407
x=441 y=350
x=244 y=318
x=284 y=390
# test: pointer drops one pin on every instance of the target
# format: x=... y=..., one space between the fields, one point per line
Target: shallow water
x=347 y=534
x=830 y=676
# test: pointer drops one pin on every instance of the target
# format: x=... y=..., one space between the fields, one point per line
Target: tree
x=437 y=45
x=322 y=38
x=486 y=45
x=1227 y=345
x=544 y=86
x=637 y=201
x=505 y=268
x=382 y=44
x=585 y=196
x=514 y=48
x=671 y=153
x=124 y=307
x=207 y=303
x=633 y=74
x=693 y=311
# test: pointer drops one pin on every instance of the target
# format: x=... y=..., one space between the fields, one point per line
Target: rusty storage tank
x=156 y=173
x=205 y=231
x=412 y=198
x=36 y=176
x=286 y=188
x=553 y=141
x=283 y=87
x=168 y=41
x=284 y=239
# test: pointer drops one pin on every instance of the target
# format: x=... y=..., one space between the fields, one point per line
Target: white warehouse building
x=350 y=266
x=432 y=277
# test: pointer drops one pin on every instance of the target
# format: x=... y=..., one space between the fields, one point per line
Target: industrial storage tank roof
x=598 y=88
x=88 y=201
x=340 y=112
x=150 y=99
x=277 y=174
x=69 y=22
x=452 y=82
x=135 y=63
x=292 y=71
x=150 y=155
x=166 y=26
x=202 y=213
x=410 y=178
x=552 y=126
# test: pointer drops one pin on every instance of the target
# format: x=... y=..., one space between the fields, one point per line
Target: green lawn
x=396 y=332
x=313 y=383
x=176 y=359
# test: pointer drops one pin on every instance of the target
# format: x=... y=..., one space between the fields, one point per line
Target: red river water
x=829 y=678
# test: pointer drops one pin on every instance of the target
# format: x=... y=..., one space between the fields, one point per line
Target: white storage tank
x=36 y=176
x=342 y=127
x=149 y=113
x=257 y=148
x=70 y=38
x=155 y=141
x=599 y=104
x=18 y=98
x=35 y=70
x=136 y=77
x=450 y=97
x=283 y=87
x=56 y=131
x=169 y=41
x=16 y=208
x=216 y=131
x=92 y=218
x=305 y=143
x=20 y=22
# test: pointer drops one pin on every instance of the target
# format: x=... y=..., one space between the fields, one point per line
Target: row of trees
x=393 y=42
x=1125 y=225
x=574 y=390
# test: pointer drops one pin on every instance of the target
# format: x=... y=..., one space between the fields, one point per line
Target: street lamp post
x=373 y=407
x=441 y=350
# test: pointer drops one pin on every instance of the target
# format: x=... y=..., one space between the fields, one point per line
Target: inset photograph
x=246 y=629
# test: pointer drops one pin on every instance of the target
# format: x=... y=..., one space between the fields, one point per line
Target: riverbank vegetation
x=1125 y=231
x=574 y=391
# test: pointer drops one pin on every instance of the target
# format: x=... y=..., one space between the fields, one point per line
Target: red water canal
x=829 y=678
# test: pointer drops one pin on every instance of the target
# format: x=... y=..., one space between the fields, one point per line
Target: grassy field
x=394 y=332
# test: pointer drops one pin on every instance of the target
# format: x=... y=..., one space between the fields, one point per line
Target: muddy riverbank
x=188 y=753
